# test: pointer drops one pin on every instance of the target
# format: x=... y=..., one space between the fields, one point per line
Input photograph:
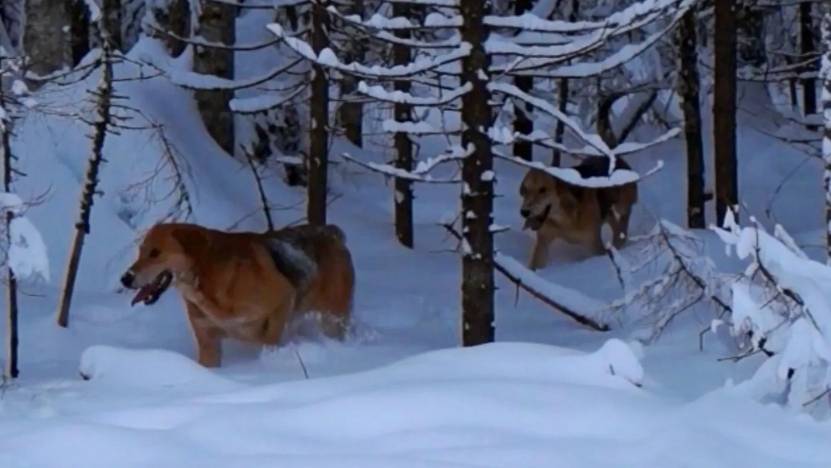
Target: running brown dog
x=246 y=285
x=556 y=209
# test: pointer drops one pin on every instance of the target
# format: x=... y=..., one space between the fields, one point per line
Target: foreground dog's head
x=161 y=256
x=544 y=197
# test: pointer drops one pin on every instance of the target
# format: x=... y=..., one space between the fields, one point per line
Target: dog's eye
x=154 y=253
x=542 y=189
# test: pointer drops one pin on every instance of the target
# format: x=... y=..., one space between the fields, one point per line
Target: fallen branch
x=572 y=314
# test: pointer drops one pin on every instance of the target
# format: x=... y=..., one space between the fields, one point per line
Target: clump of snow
x=147 y=369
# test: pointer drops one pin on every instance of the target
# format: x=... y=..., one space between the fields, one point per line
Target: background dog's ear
x=191 y=240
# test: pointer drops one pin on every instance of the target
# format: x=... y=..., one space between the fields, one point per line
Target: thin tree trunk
x=690 y=105
x=562 y=97
x=112 y=21
x=104 y=94
x=11 y=287
x=477 y=195
x=808 y=47
x=217 y=22
x=79 y=29
x=173 y=17
x=403 y=196
x=352 y=113
x=318 y=160
x=522 y=122
x=560 y=127
x=724 y=108
x=45 y=40
x=826 y=106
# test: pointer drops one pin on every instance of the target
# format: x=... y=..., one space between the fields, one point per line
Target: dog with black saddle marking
x=555 y=209
x=246 y=285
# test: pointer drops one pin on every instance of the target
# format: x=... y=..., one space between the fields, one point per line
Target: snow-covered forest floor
x=398 y=392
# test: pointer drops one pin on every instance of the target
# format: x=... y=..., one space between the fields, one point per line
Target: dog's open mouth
x=151 y=292
x=534 y=223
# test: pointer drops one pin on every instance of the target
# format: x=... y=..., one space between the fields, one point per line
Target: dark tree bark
x=477 y=195
x=44 y=40
x=688 y=84
x=560 y=127
x=724 y=108
x=11 y=287
x=318 y=159
x=808 y=47
x=826 y=106
x=79 y=30
x=104 y=96
x=352 y=113
x=216 y=24
x=522 y=121
x=403 y=196
x=176 y=20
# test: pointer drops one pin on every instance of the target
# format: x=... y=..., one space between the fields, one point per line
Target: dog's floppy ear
x=191 y=240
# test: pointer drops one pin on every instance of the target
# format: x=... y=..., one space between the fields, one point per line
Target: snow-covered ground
x=119 y=387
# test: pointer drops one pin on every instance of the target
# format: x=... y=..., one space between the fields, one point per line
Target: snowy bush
x=781 y=307
x=25 y=251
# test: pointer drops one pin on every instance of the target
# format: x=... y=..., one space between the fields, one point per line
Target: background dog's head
x=543 y=197
x=161 y=255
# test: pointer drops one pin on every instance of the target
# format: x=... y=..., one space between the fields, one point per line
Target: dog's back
x=616 y=200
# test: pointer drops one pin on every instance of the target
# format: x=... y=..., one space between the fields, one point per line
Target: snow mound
x=148 y=369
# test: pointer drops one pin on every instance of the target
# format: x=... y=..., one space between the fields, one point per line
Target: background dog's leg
x=208 y=338
x=540 y=252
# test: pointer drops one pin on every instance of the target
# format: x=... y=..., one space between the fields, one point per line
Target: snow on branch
x=378 y=22
x=566 y=174
x=328 y=59
x=436 y=3
x=422 y=170
x=585 y=69
x=193 y=80
x=783 y=304
x=26 y=253
x=400 y=97
x=539 y=137
x=263 y=103
x=270 y=5
x=573 y=304
x=627 y=16
x=592 y=139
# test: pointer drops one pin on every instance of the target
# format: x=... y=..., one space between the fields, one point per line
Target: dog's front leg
x=539 y=256
x=208 y=337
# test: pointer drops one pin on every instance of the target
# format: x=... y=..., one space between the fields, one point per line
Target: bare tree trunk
x=103 y=94
x=477 y=195
x=522 y=121
x=318 y=160
x=176 y=20
x=560 y=127
x=690 y=105
x=403 y=196
x=724 y=108
x=45 y=41
x=11 y=287
x=112 y=21
x=352 y=113
x=826 y=106
x=808 y=47
x=79 y=30
x=217 y=23
x=562 y=98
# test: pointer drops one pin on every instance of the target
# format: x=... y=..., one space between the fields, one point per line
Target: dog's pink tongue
x=142 y=294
